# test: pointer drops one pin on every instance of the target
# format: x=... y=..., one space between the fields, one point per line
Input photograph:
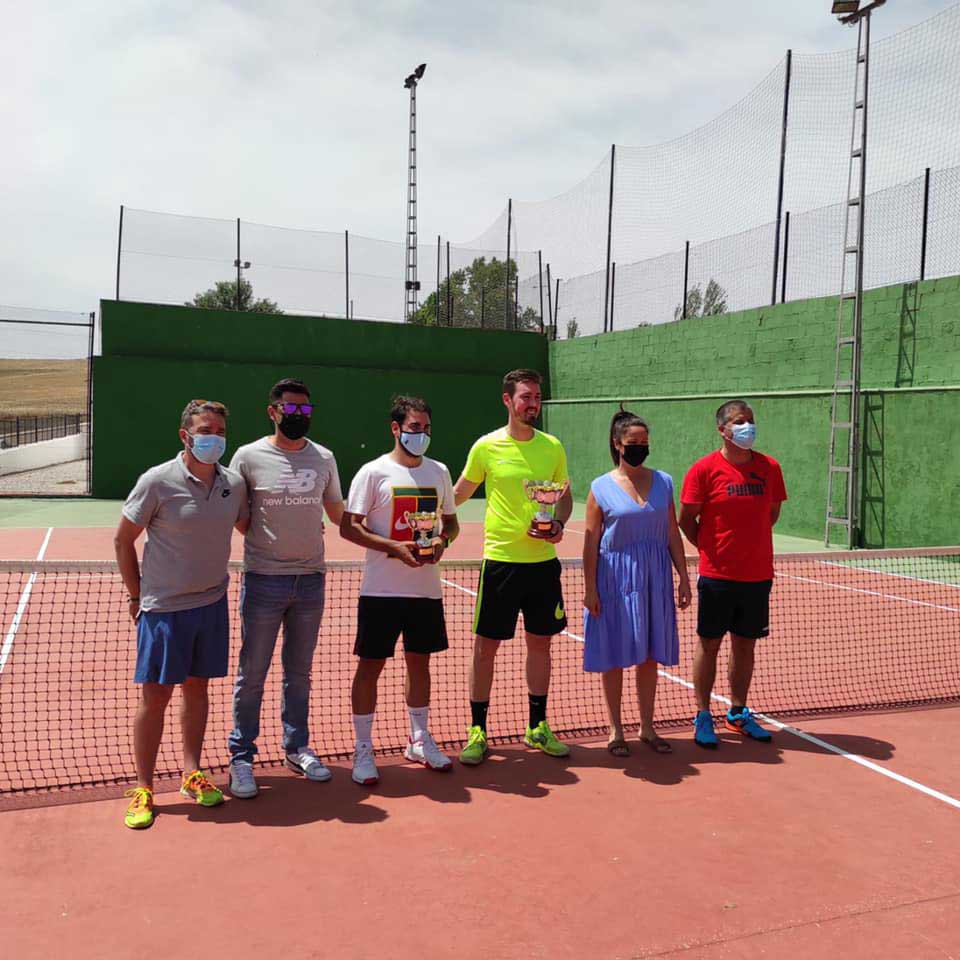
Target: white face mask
x=415 y=443
x=744 y=435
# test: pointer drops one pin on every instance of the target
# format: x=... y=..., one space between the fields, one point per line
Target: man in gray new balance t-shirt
x=290 y=482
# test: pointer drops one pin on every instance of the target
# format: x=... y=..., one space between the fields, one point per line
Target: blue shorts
x=185 y=643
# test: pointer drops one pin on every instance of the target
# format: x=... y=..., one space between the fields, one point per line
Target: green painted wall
x=675 y=375
x=156 y=358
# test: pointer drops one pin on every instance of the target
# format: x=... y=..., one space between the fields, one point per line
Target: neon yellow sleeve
x=475 y=469
x=560 y=473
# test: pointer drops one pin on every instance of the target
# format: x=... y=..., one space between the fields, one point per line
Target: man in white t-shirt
x=401 y=592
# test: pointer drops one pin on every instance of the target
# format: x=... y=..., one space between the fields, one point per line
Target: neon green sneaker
x=140 y=812
x=541 y=737
x=476 y=748
x=197 y=786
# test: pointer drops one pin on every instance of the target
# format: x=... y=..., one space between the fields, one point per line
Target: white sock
x=418 y=721
x=363 y=726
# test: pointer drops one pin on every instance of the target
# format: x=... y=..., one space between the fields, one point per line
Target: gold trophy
x=422 y=523
x=545 y=493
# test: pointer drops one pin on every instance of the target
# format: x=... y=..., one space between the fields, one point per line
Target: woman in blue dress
x=630 y=541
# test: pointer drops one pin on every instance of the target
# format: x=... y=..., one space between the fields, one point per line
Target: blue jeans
x=266 y=602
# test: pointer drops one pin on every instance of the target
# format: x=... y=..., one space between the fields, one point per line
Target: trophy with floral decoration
x=546 y=494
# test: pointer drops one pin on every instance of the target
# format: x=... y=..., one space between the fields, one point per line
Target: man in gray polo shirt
x=290 y=481
x=189 y=507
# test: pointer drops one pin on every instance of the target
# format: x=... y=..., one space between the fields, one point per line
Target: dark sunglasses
x=289 y=409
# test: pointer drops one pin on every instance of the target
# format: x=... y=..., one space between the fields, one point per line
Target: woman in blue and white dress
x=630 y=541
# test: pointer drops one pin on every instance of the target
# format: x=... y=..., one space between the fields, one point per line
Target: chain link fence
x=741 y=212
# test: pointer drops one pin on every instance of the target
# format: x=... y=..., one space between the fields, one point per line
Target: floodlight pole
x=411 y=284
x=845 y=413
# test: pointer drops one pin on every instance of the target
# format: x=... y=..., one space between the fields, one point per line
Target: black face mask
x=294 y=426
x=635 y=453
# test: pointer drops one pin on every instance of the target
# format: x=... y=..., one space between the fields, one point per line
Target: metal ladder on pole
x=411 y=284
x=843 y=501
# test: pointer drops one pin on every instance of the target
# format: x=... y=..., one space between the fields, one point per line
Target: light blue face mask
x=744 y=435
x=207 y=447
x=415 y=443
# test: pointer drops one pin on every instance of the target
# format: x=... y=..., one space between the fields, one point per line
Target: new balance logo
x=303 y=481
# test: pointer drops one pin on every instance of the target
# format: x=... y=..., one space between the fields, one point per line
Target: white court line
x=22 y=605
x=870 y=593
x=803 y=735
x=888 y=573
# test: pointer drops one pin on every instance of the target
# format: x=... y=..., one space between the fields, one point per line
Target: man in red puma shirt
x=729 y=504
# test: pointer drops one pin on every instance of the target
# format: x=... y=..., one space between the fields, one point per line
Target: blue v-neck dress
x=638 y=620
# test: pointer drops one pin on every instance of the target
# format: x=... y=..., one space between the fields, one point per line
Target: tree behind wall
x=476 y=298
x=224 y=297
x=700 y=304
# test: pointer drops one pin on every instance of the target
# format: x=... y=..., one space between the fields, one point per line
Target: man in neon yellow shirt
x=520 y=572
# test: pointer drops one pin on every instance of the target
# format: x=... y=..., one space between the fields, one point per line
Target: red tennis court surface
x=777 y=851
x=839 y=839
x=96 y=543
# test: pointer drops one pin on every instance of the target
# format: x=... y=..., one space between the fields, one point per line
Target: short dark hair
x=514 y=377
x=622 y=421
x=401 y=406
x=201 y=406
x=287 y=385
x=725 y=410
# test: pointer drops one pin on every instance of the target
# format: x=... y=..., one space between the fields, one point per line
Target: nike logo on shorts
x=558 y=613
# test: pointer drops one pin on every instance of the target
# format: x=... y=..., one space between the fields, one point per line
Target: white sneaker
x=425 y=750
x=242 y=783
x=307 y=763
x=364 y=769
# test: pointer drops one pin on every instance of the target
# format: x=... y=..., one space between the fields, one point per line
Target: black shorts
x=736 y=606
x=507 y=589
x=381 y=620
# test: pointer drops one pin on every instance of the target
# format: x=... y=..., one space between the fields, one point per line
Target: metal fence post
x=606 y=286
x=449 y=291
x=686 y=277
x=483 y=306
x=549 y=300
x=506 y=292
x=89 y=418
x=540 y=275
x=516 y=303
x=926 y=215
x=346 y=273
x=613 y=285
x=786 y=252
x=239 y=266
x=783 y=158
x=119 y=249
x=438 y=279
x=556 y=311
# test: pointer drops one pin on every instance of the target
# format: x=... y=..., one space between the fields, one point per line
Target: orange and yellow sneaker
x=197 y=786
x=140 y=812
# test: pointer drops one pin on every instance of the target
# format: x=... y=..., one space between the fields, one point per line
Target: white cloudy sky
x=293 y=112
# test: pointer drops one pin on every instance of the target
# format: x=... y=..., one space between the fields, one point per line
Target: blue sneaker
x=744 y=723
x=703 y=734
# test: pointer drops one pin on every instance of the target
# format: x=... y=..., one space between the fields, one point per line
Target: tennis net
x=848 y=631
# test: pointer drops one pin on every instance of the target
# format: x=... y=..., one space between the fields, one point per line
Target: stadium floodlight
x=245 y=264
x=850 y=12
x=417 y=74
